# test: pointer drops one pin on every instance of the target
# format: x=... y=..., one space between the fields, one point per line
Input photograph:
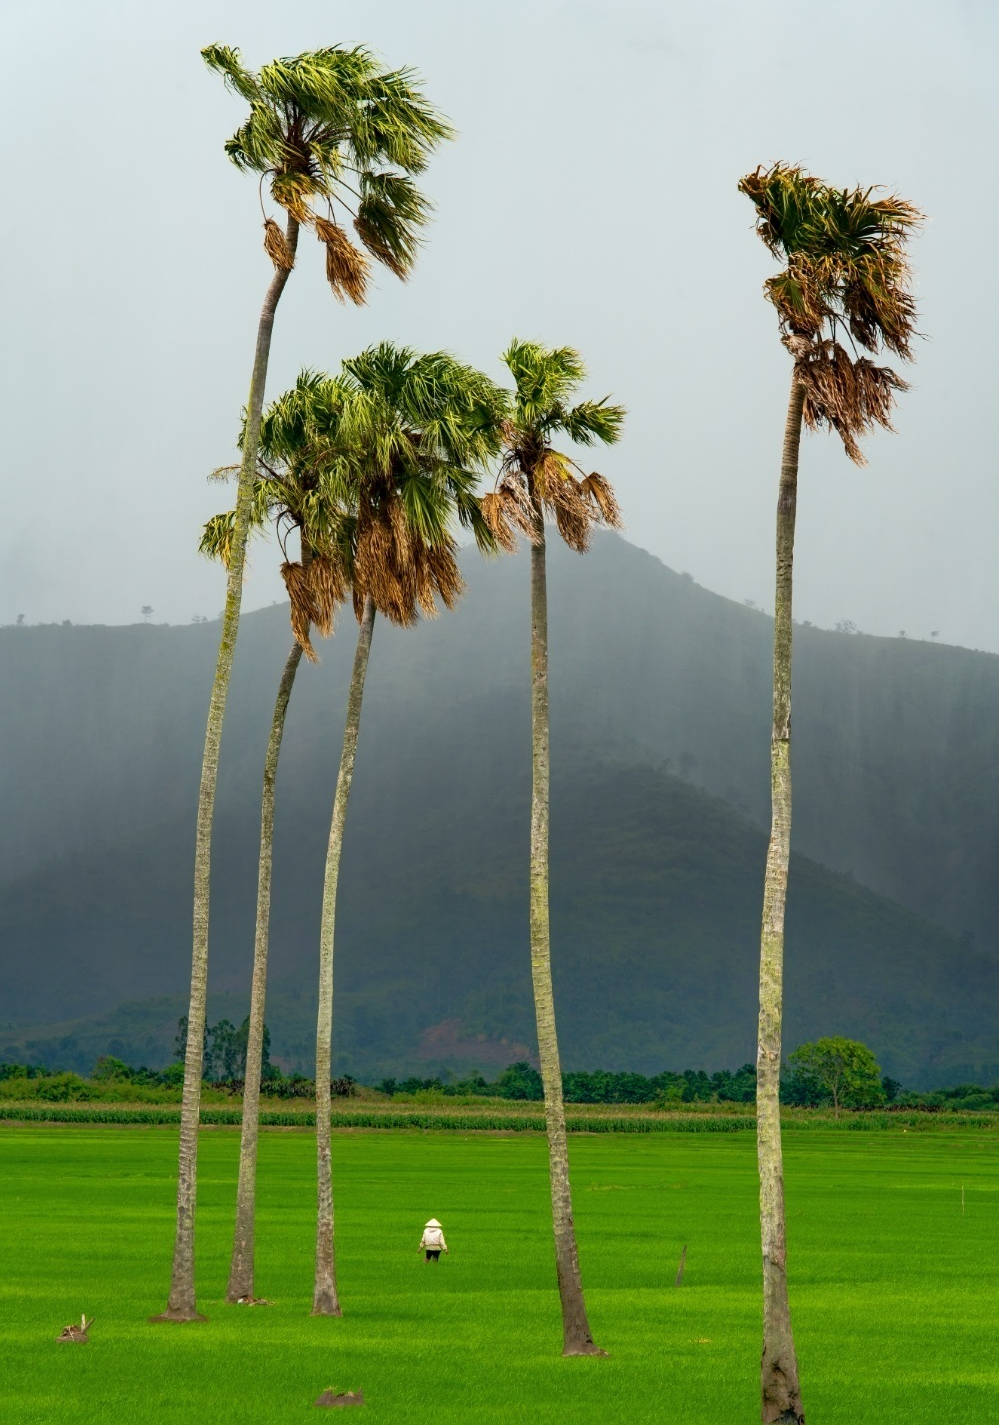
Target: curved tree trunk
x=182 y=1304
x=325 y=1301
x=241 y=1269
x=780 y=1393
x=577 y=1339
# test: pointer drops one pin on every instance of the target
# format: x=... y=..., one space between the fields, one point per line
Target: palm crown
x=534 y=477
x=374 y=467
x=420 y=429
x=333 y=128
x=847 y=270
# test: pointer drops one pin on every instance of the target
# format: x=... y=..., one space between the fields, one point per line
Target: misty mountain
x=655 y=911
x=656 y=878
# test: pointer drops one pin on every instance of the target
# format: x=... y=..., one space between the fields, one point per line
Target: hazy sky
x=590 y=199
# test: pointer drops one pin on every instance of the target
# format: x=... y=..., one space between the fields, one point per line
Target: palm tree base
x=177 y=1317
x=587 y=1348
x=326 y=1307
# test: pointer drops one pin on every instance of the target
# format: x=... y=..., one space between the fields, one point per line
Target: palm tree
x=329 y=127
x=846 y=273
x=536 y=480
x=293 y=494
x=415 y=432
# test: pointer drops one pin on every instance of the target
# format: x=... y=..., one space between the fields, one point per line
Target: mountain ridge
x=895 y=775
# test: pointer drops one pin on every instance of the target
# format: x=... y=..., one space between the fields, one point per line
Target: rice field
x=894 y=1259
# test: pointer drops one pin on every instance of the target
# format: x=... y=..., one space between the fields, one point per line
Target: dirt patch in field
x=349 y=1397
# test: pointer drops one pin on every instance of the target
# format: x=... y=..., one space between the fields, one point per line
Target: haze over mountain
x=656 y=876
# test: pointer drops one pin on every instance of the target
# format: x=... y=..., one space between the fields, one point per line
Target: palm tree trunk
x=241 y=1269
x=780 y=1394
x=577 y=1339
x=325 y=1301
x=181 y=1305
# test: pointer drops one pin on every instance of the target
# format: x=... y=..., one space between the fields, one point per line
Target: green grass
x=893 y=1290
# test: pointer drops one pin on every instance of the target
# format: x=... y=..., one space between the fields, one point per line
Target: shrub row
x=497 y=1122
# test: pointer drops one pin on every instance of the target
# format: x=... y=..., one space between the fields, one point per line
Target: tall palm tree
x=292 y=493
x=333 y=128
x=846 y=273
x=415 y=433
x=536 y=480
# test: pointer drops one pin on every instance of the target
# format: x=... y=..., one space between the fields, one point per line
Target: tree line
x=371 y=471
x=112 y=1080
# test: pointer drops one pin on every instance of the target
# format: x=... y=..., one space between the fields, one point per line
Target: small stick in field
x=683 y=1262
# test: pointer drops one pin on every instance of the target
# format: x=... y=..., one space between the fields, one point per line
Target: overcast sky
x=589 y=199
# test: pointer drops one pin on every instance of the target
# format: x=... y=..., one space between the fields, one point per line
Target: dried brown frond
x=516 y=505
x=849 y=396
x=377 y=572
x=424 y=582
x=292 y=190
x=222 y=474
x=879 y=306
x=508 y=433
x=303 y=608
x=495 y=517
x=445 y=573
x=550 y=470
x=329 y=586
x=347 y=268
x=601 y=492
x=276 y=246
x=395 y=516
x=574 y=515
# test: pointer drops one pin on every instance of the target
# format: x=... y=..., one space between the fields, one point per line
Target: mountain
x=656 y=878
x=655 y=909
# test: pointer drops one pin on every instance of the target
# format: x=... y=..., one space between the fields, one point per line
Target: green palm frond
x=543 y=378
x=225 y=61
x=593 y=421
x=217 y=534
x=390 y=213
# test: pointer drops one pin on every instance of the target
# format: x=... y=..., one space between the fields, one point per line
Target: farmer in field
x=432 y=1242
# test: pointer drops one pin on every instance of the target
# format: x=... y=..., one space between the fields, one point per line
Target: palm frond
x=497 y=519
x=329 y=586
x=601 y=493
x=591 y=421
x=216 y=537
x=346 y=267
x=573 y=513
x=304 y=611
x=225 y=61
x=276 y=246
x=517 y=506
x=544 y=379
x=390 y=214
x=850 y=397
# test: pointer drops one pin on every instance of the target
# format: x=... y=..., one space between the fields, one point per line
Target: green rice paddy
x=894 y=1285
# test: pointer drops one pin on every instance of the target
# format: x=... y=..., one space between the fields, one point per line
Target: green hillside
x=656 y=877
x=655 y=900
x=896 y=751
